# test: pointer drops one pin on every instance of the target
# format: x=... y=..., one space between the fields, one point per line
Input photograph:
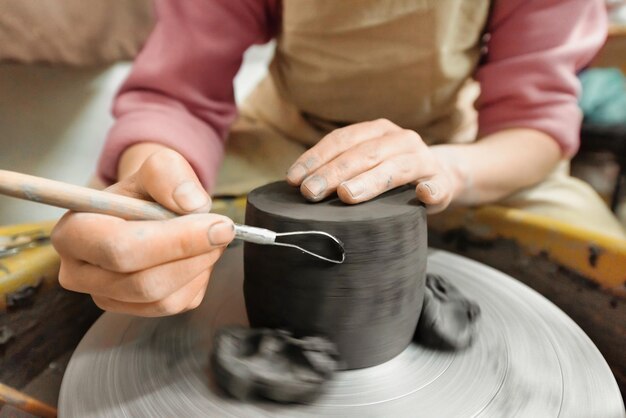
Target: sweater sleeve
x=534 y=51
x=180 y=90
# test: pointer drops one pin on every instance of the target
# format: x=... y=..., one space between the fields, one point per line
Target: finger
x=195 y=302
x=435 y=192
x=335 y=143
x=357 y=160
x=167 y=178
x=385 y=176
x=171 y=305
x=150 y=285
x=129 y=246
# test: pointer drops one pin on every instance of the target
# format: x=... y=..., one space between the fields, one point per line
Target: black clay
x=272 y=364
x=449 y=320
x=369 y=305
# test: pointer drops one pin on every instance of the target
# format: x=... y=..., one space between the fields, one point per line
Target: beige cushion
x=73 y=32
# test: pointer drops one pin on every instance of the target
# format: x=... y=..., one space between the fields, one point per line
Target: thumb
x=167 y=178
x=435 y=192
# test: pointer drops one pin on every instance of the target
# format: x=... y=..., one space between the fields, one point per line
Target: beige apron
x=342 y=62
x=339 y=62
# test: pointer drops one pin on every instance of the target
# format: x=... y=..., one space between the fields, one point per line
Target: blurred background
x=61 y=63
x=60 y=66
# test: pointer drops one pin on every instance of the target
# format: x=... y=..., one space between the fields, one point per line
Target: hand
x=363 y=160
x=146 y=268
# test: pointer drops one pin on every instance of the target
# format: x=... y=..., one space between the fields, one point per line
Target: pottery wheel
x=529 y=360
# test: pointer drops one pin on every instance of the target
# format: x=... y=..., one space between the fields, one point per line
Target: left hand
x=363 y=160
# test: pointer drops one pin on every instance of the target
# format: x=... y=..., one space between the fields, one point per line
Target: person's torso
x=339 y=62
x=342 y=62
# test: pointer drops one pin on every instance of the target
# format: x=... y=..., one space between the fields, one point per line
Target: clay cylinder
x=369 y=305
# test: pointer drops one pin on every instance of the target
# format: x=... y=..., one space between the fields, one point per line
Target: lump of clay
x=273 y=364
x=448 y=320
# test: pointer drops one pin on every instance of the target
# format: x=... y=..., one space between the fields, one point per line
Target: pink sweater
x=180 y=91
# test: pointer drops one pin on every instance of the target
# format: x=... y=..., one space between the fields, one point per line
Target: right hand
x=146 y=268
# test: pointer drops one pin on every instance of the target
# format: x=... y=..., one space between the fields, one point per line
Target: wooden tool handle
x=10 y=396
x=79 y=199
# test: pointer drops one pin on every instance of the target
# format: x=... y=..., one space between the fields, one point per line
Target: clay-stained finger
x=435 y=192
x=357 y=160
x=175 y=303
x=335 y=143
x=385 y=176
x=129 y=246
x=145 y=286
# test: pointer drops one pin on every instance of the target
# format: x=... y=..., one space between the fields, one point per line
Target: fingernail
x=189 y=196
x=221 y=233
x=355 y=188
x=296 y=173
x=315 y=185
x=432 y=188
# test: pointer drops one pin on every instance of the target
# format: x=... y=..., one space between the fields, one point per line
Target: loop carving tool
x=83 y=199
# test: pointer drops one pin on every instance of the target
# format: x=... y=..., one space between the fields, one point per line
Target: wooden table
x=613 y=54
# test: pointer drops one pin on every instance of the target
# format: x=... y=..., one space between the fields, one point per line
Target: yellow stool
x=27 y=262
x=599 y=258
